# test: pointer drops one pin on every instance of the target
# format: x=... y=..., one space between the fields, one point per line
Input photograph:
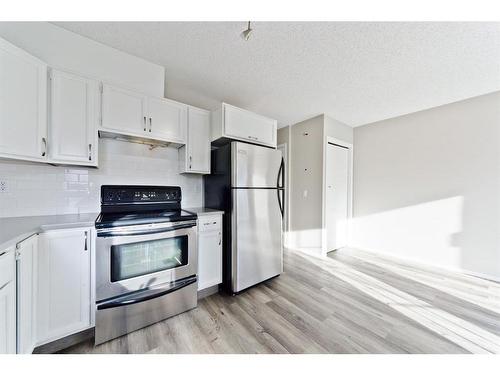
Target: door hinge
x=17 y=253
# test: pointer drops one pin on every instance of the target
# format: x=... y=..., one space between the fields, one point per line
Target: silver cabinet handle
x=190 y=161
x=254 y=138
x=85 y=248
x=90 y=151
x=4 y=285
x=3 y=253
x=44 y=141
x=220 y=238
x=144 y=123
x=150 y=124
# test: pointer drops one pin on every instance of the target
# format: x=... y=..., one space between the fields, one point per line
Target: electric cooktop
x=123 y=205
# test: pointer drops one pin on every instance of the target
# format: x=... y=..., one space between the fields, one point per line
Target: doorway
x=337 y=194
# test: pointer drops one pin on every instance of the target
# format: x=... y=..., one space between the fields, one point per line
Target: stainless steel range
x=146 y=258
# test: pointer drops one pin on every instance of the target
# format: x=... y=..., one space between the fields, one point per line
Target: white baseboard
x=312 y=251
x=423 y=263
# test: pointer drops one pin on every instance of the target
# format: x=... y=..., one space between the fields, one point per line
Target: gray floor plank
x=350 y=302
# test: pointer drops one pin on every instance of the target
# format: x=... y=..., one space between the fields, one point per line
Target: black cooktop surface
x=117 y=219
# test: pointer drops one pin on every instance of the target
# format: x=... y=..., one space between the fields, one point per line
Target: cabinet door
x=26 y=294
x=23 y=104
x=167 y=119
x=123 y=111
x=209 y=258
x=73 y=119
x=7 y=303
x=64 y=298
x=198 y=142
x=249 y=126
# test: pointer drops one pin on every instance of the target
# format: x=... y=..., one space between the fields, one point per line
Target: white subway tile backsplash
x=39 y=189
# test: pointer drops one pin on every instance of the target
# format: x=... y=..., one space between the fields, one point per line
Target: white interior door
x=337 y=195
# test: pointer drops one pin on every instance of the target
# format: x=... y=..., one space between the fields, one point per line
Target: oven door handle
x=113 y=232
x=145 y=295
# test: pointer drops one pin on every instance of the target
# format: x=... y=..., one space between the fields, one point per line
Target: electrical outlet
x=4 y=187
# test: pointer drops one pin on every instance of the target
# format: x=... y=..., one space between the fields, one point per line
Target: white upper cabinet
x=167 y=119
x=23 y=104
x=64 y=283
x=73 y=119
x=133 y=114
x=230 y=122
x=195 y=156
x=123 y=110
x=7 y=302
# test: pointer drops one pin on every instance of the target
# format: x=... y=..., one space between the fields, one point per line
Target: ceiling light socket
x=246 y=33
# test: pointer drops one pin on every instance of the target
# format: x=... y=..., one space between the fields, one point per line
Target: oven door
x=133 y=258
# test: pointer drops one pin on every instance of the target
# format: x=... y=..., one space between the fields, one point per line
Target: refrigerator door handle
x=280 y=182
x=280 y=203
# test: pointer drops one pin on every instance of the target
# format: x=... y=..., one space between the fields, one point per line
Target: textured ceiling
x=355 y=72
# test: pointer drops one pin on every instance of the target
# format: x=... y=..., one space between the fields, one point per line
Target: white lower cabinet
x=64 y=283
x=209 y=250
x=7 y=302
x=26 y=255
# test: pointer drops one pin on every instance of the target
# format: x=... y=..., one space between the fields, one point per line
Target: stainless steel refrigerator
x=247 y=183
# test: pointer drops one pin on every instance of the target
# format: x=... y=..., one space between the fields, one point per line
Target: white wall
x=307 y=231
x=66 y=50
x=41 y=189
x=306 y=170
x=339 y=130
x=427 y=186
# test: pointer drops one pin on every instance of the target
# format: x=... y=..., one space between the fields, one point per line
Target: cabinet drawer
x=7 y=267
x=209 y=223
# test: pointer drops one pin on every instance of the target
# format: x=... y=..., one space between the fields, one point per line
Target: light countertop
x=16 y=229
x=200 y=211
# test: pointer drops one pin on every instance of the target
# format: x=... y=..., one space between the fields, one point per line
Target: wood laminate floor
x=350 y=302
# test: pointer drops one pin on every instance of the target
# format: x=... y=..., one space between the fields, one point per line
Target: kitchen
x=68 y=268
x=136 y=221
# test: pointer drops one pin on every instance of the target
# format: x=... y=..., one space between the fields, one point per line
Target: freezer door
x=257 y=250
x=255 y=166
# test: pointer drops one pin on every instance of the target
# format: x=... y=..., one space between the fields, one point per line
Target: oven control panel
x=114 y=194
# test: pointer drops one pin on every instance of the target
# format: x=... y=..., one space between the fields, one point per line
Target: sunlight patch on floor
x=453 y=328
x=476 y=295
